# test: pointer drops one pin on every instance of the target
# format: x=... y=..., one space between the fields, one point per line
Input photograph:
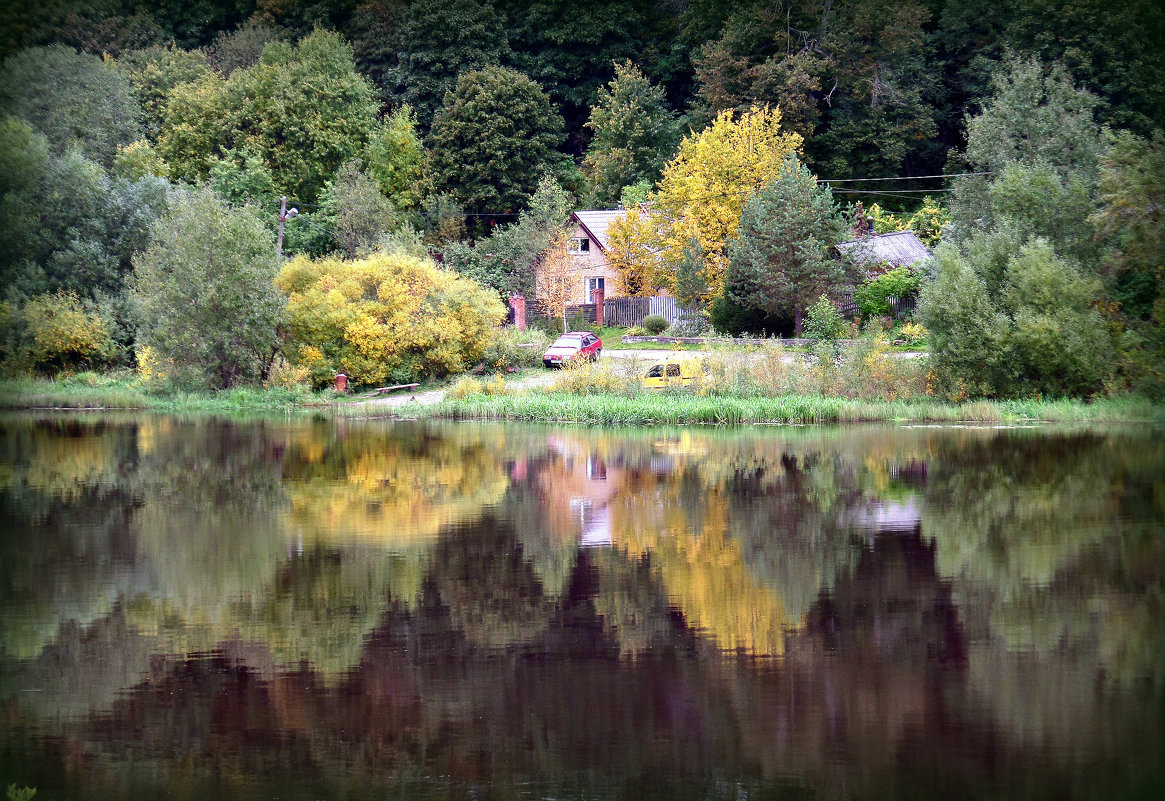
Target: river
x=332 y=609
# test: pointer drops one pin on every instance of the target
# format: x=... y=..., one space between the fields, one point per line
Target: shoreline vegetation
x=556 y=403
x=676 y=409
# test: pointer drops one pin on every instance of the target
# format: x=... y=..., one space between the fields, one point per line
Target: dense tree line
x=469 y=129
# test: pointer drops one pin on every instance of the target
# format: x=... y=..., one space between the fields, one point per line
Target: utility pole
x=284 y=215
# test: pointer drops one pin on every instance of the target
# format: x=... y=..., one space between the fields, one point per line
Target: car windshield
x=573 y=340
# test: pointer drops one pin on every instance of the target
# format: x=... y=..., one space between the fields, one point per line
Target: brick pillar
x=600 y=295
x=518 y=304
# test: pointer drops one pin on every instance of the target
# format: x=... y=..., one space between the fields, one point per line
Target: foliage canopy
x=387 y=318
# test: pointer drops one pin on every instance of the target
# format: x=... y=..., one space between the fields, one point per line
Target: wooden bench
x=385 y=390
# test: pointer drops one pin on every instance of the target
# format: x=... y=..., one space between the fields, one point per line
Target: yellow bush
x=388 y=318
x=913 y=333
x=285 y=374
x=590 y=378
x=496 y=385
x=150 y=366
x=464 y=387
x=65 y=335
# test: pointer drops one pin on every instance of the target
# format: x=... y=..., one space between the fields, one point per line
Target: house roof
x=595 y=222
x=898 y=249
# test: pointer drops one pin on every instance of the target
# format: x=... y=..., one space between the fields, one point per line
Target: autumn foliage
x=387 y=318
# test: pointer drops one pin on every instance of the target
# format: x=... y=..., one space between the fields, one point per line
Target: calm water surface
x=346 y=610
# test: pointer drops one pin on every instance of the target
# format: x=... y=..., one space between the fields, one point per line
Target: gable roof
x=897 y=249
x=595 y=223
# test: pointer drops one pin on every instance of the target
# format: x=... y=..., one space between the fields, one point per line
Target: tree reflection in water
x=835 y=613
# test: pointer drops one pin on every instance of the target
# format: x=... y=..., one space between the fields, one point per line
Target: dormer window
x=578 y=244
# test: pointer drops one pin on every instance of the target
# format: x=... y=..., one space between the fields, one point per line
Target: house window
x=594 y=284
x=579 y=244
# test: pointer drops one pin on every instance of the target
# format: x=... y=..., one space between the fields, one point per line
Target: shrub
x=1036 y=334
x=510 y=348
x=593 y=378
x=912 y=334
x=655 y=324
x=824 y=321
x=463 y=387
x=868 y=370
x=63 y=333
x=389 y=318
x=873 y=298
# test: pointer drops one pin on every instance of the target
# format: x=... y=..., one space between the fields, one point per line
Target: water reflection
x=316 y=609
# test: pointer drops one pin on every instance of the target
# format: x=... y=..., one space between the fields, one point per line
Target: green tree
x=1111 y=47
x=778 y=261
x=873 y=296
x=1131 y=191
x=303 y=109
x=881 y=117
x=570 y=51
x=506 y=259
x=74 y=99
x=855 y=80
x=1059 y=342
x=1036 y=114
x=395 y=156
x=64 y=222
x=492 y=140
x=1014 y=321
x=704 y=187
x=204 y=294
x=1036 y=120
x=437 y=42
x=634 y=132
x=242 y=177
x=355 y=210
x=154 y=72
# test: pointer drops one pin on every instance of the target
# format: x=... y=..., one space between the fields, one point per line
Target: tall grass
x=123 y=390
x=670 y=408
x=861 y=383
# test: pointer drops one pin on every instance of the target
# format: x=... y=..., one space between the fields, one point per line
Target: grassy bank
x=96 y=391
x=680 y=409
x=577 y=399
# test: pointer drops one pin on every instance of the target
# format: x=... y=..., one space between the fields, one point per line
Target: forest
x=258 y=191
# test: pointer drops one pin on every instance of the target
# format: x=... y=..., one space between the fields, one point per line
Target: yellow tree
x=704 y=188
x=553 y=280
x=633 y=252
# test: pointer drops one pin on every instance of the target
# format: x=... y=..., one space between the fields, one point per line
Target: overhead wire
x=901 y=193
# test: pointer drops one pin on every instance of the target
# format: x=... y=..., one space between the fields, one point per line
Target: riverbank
x=686 y=409
x=123 y=391
x=526 y=397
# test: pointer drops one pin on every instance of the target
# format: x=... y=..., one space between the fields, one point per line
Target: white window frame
x=595 y=282
x=578 y=245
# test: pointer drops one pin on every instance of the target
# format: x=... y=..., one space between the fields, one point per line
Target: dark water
x=318 y=610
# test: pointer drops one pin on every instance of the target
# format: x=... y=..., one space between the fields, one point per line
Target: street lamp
x=285 y=214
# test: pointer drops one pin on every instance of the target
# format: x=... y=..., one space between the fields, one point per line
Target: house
x=877 y=253
x=587 y=245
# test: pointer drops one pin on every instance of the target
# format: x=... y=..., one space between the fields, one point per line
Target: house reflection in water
x=582 y=477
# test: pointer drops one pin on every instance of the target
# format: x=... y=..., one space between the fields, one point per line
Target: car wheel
x=598 y=353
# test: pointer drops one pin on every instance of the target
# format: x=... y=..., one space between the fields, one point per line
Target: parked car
x=571 y=346
x=674 y=371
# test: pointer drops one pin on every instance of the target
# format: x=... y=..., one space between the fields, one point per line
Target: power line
x=904 y=178
x=905 y=193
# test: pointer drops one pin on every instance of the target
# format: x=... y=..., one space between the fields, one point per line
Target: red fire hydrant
x=341 y=382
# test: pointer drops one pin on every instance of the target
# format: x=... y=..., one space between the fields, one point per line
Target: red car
x=573 y=345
